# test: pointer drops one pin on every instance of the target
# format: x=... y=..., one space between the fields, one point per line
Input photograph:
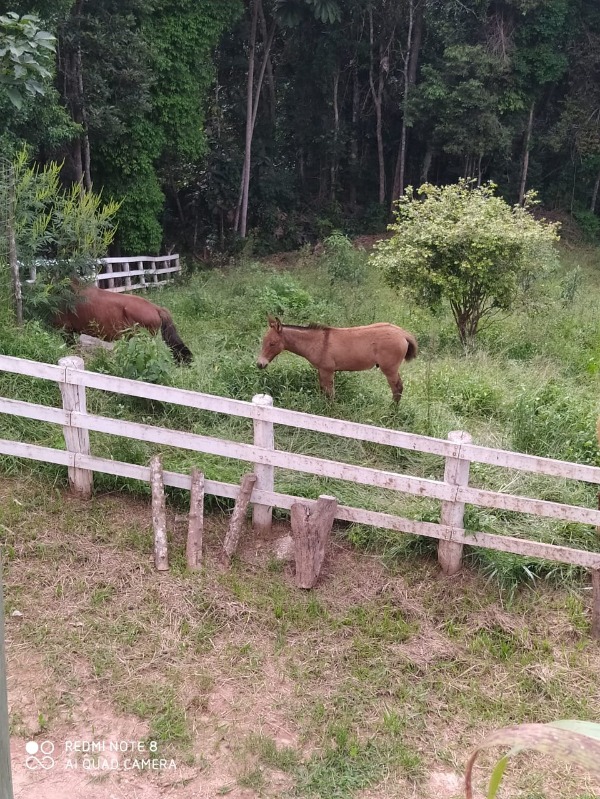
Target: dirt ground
x=61 y=708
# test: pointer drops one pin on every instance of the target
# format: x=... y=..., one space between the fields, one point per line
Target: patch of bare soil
x=100 y=636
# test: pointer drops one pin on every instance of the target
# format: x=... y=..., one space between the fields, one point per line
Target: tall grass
x=531 y=384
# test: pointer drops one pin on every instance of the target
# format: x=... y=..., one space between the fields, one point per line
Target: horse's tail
x=172 y=339
x=413 y=347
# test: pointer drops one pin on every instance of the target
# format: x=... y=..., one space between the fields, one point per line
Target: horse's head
x=272 y=343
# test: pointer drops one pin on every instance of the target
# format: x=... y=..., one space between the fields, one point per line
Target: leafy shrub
x=142 y=356
x=589 y=224
x=342 y=260
x=570 y=285
x=467 y=247
x=283 y=295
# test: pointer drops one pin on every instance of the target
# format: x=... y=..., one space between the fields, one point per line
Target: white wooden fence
x=130 y=273
x=453 y=491
x=137 y=272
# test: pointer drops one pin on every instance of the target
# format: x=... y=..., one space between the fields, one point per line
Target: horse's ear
x=275 y=323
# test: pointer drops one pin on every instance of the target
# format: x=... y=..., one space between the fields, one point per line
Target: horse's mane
x=310 y=326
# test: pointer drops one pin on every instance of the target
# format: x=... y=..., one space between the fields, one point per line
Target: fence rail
x=453 y=491
x=129 y=273
x=137 y=272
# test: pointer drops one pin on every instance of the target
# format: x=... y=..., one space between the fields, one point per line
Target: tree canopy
x=283 y=120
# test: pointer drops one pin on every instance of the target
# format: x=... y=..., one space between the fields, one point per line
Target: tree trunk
x=353 y=158
x=595 y=194
x=242 y=208
x=336 y=131
x=428 y=158
x=252 y=100
x=71 y=68
x=12 y=248
x=411 y=60
x=525 y=163
x=376 y=94
x=270 y=76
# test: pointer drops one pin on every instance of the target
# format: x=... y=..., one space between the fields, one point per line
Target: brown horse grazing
x=107 y=314
x=342 y=349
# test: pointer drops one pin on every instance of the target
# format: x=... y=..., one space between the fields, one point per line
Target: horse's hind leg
x=326 y=382
x=395 y=383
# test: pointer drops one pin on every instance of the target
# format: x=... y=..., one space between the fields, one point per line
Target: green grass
x=531 y=384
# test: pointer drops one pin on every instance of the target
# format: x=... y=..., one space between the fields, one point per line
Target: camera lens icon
x=45 y=748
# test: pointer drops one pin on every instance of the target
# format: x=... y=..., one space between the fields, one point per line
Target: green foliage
x=26 y=55
x=465 y=245
x=570 y=285
x=283 y=295
x=576 y=742
x=74 y=227
x=142 y=356
x=292 y=12
x=551 y=423
x=343 y=261
x=589 y=223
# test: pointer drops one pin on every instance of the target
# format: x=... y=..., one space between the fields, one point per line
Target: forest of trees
x=285 y=119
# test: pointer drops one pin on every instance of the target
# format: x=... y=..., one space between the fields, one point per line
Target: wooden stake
x=310 y=530
x=596 y=603
x=196 y=521
x=159 y=514
x=237 y=519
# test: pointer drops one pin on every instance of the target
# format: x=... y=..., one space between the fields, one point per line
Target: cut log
x=196 y=521
x=237 y=519
x=311 y=525
x=159 y=514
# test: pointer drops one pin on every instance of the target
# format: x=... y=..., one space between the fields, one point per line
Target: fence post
x=456 y=473
x=109 y=269
x=262 y=515
x=6 y=787
x=77 y=439
x=127 y=276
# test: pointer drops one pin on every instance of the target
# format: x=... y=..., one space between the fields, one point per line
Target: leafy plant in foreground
x=576 y=742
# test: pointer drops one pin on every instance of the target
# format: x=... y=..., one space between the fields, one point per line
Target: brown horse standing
x=342 y=349
x=106 y=314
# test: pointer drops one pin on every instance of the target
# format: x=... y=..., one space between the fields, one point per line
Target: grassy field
x=377 y=683
x=530 y=385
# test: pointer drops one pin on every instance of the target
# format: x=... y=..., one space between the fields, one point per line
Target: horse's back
x=108 y=314
x=357 y=348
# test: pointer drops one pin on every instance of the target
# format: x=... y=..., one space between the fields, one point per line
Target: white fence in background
x=453 y=491
x=132 y=272
x=137 y=272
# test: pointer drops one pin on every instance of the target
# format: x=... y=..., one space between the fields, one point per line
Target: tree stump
x=196 y=521
x=237 y=518
x=311 y=526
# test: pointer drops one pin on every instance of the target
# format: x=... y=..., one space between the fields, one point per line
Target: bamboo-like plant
x=62 y=232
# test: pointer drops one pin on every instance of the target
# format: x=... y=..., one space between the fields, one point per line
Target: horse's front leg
x=326 y=382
